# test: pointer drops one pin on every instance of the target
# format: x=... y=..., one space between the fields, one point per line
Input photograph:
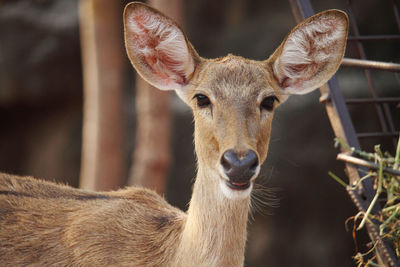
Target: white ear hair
x=157 y=47
x=312 y=52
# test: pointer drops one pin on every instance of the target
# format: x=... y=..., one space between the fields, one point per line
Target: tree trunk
x=102 y=165
x=151 y=159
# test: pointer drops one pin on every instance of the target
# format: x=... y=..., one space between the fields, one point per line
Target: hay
x=383 y=168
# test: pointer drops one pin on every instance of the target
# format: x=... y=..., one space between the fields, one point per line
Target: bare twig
x=397 y=157
x=378 y=192
x=353 y=160
x=337 y=179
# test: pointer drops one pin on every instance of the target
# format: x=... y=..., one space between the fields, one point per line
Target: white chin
x=234 y=194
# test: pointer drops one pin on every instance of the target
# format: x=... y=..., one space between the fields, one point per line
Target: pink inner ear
x=162 y=48
x=309 y=51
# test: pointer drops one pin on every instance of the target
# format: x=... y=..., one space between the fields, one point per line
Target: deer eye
x=268 y=103
x=202 y=101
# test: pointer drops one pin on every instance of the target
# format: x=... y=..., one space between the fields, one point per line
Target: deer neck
x=215 y=230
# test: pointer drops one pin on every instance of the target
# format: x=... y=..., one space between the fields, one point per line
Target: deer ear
x=311 y=53
x=158 y=48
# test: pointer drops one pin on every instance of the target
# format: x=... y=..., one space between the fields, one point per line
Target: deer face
x=232 y=98
x=233 y=108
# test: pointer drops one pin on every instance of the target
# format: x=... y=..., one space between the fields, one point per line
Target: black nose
x=239 y=169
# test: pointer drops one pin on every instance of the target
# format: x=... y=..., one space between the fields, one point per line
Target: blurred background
x=47 y=50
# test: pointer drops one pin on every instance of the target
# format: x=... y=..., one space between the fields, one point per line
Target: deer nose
x=239 y=169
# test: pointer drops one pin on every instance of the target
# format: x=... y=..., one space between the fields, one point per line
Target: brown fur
x=44 y=224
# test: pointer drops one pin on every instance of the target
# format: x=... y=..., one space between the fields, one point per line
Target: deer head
x=233 y=99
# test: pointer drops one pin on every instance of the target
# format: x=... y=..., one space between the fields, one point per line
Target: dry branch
x=353 y=160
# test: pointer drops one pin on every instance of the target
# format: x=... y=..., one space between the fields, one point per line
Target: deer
x=233 y=100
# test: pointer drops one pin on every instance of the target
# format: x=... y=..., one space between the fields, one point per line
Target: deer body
x=232 y=99
x=53 y=225
x=47 y=224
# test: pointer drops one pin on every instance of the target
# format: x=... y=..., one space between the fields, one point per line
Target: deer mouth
x=235 y=190
x=237 y=186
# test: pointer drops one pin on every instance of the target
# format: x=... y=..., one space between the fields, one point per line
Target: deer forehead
x=233 y=79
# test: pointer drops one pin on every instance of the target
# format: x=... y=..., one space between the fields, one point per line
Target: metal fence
x=338 y=108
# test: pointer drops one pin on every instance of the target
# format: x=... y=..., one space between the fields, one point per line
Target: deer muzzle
x=239 y=168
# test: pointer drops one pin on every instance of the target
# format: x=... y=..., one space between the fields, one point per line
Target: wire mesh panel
x=363 y=99
x=382 y=128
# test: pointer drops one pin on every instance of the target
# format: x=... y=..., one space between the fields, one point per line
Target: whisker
x=264 y=199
